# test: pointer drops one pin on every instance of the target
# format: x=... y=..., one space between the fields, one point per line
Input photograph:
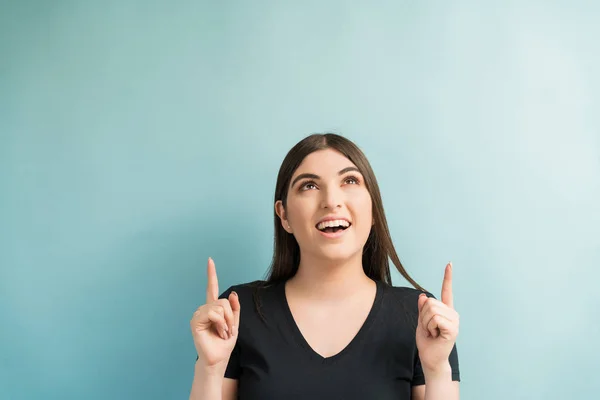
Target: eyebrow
x=313 y=176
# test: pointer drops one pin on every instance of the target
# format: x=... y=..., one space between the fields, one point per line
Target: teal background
x=139 y=138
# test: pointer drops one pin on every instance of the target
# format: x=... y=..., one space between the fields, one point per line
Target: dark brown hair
x=378 y=249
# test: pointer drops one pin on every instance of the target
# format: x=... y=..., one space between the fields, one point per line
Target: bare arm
x=439 y=386
x=437 y=329
x=214 y=328
x=208 y=385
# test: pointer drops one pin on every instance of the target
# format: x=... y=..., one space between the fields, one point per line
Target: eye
x=352 y=180
x=310 y=185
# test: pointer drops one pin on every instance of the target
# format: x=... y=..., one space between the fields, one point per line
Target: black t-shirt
x=272 y=360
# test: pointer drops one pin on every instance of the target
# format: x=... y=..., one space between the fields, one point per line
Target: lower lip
x=334 y=235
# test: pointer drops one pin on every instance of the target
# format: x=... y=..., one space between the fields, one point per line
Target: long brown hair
x=379 y=248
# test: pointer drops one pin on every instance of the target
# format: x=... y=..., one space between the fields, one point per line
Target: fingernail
x=234 y=293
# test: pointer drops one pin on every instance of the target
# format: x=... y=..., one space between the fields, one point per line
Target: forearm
x=439 y=384
x=207 y=385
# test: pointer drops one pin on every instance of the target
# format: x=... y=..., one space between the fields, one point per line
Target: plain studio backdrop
x=139 y=138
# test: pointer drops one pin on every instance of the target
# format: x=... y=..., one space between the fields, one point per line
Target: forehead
x=324 y=162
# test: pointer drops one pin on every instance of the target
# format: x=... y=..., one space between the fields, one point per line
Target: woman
x=326 y=323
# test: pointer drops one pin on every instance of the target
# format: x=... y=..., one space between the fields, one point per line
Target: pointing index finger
x=212 y=288
x=447 y=297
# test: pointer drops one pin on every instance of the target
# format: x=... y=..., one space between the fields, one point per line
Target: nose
x=331 y=198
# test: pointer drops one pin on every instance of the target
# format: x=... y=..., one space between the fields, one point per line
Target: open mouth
x=333 y=226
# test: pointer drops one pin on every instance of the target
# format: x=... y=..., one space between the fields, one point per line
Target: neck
x=330 y=279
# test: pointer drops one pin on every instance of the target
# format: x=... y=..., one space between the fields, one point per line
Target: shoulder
x=260 y=303
x=402 y=297
x=256 y=292
x=404 y=292
x=245 y=289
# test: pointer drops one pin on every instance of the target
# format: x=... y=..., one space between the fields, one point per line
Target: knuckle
x=225 y=303
x=216 y=311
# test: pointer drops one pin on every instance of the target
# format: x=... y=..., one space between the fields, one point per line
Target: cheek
x=363 y=211
x=299 y=211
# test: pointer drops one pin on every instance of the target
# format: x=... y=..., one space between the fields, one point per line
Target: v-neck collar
x=356 y=339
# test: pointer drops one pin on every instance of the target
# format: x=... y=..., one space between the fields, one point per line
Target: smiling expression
x=328 y=207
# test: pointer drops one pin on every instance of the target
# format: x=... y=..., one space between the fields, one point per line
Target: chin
x=338 y=254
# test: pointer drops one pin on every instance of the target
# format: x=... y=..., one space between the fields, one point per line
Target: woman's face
x=328 y=209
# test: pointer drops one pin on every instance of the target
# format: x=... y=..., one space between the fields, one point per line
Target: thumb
x=420 y=304
x=421 y=301
x=234 y=301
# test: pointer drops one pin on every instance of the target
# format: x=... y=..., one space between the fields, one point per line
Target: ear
x=280 y=211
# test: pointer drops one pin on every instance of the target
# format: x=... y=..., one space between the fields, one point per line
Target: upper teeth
x=333 y=223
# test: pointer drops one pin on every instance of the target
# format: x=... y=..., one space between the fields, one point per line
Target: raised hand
x=215 y=324
x=437 y=326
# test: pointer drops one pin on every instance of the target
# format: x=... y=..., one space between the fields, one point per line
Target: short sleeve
x=233 y=365
x=419 y=377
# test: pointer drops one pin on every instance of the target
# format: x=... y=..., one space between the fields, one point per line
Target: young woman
x=327 y=323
